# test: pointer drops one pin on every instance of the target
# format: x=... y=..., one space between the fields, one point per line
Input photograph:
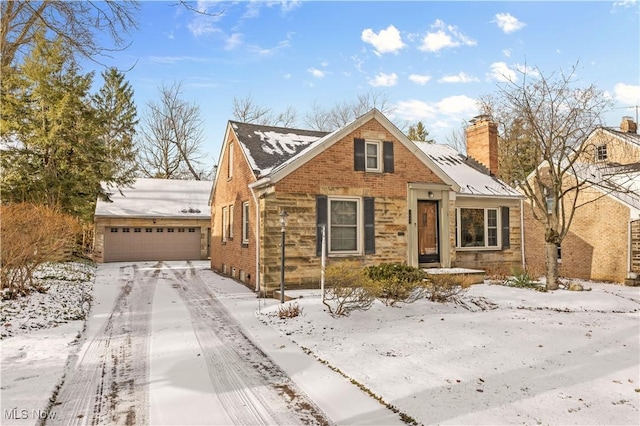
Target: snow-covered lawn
x=515 y=356
x=529 y=358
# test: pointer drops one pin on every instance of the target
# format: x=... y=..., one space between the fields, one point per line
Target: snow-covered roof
x=466 y=172
x=267 y=147
x=168 y=198
x=621 y=182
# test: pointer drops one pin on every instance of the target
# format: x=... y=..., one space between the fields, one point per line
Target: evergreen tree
x=117 y=118
x=52 y=153
x=419 y=133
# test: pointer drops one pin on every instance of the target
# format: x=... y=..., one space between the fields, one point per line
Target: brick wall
x=233 y=257
x=635 y=246
x=596 y=246
x=618 y=151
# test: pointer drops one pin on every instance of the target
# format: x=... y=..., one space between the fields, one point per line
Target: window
x=231 y=222
x=169 y=229
x=245 y=222
x=125 y=229
x=477 y=228
x=230 y=162
x=180 y=229
x=344 y=225
x=137 y=229
x=225 y=224
x=148 y=229
x=114 y=229
x=159 y=229
x=192 y=229
x=372 y=156
x=601 y=153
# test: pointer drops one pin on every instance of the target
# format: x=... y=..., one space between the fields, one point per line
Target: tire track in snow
x=251 y=387
x=107 y=382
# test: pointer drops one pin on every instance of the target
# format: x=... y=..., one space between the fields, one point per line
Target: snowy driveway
x=161 y=349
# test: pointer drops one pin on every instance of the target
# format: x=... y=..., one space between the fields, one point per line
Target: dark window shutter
x=505 y=227
x=369 y=228
x=358 y=155
x=321 y=220
x=388 y=157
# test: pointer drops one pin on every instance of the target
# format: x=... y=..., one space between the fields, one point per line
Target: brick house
x=154 y=219
x=379 y=196
x=604 y=239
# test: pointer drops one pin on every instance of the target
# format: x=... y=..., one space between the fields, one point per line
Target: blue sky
x=431 y=59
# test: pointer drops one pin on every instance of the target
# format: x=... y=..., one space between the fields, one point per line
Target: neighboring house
x=154 y=219
x=604 y=238
x=379 y=196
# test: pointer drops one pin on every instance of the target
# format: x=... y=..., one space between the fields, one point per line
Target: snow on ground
x=513 y=356
x=39 y=333
x=529 y=358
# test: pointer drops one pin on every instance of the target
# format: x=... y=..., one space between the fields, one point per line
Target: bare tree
x=77 y=23
x=457 y=139
x=549 y=119
x=343 y=113
x=247 y=111
x=171 y=138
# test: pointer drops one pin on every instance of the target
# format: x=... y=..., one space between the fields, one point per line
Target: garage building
x=154 y=219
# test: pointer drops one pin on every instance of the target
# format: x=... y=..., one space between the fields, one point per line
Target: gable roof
x=320 y=145
x=163 y=198
x=267 y=147
x=628 y=137
x=621 y=182
x=469 y=176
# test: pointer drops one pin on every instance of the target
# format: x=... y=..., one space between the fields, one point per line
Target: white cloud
x=420 y=78
x=386 y=80
x=386 y=41
x=508 y=23
x=624 y=3
x=316 y=72
x=202 y=26
x=264 y=51
x=233 y=41
x=529 y=71
x=461 y=77
x=459 y=105
x=444 y=36
x=627 y=94
x=507 y=53
x=414 y=110
x=501 y=72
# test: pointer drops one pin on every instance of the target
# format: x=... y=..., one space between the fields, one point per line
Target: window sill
x=479 y=248
x=245 y=244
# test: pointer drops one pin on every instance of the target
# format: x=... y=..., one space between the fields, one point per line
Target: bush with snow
x=348 y=288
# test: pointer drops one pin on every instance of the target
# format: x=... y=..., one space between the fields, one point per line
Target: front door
x=428 y=241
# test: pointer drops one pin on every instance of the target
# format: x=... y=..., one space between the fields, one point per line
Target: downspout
x=524 y=262
x=629 y=254
x=255 y=201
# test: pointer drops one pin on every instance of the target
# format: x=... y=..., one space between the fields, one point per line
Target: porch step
x=474 y=276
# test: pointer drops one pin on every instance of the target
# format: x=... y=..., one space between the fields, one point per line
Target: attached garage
x=155 y=219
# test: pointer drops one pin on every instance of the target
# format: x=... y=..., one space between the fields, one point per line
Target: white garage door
x=157 y=243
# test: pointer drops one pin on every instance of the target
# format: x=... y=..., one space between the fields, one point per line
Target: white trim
x=225 y=223
x=379 y=157
x=245 y=222
x=498 y=227
x=359 y=226
x=230 y=161
x=231 y=222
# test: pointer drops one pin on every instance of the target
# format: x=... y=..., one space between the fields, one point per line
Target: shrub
x=523 y=279
x=290 y=310
x=348 y=288
x=446 y=287
x=397 y=283
x=32 y=235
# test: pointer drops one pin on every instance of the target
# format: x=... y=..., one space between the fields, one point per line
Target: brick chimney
x=482 y=142
x=628 y=125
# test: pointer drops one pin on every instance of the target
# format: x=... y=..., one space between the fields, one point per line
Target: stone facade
x=330 y=172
